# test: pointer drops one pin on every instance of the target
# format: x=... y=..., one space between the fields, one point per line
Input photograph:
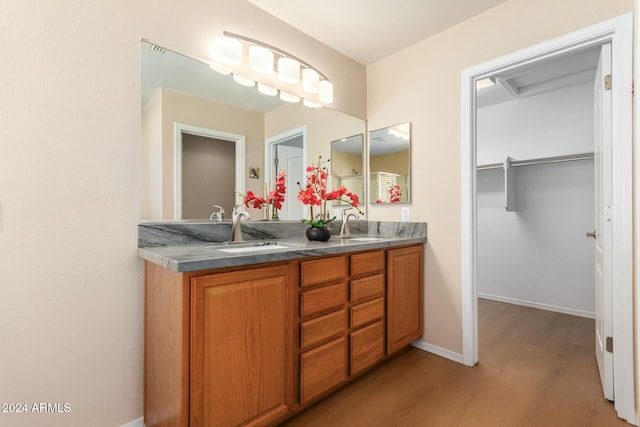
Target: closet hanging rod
x=542 y=160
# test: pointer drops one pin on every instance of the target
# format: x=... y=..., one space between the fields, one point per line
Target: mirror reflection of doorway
x=286 y=152
x=206 y=164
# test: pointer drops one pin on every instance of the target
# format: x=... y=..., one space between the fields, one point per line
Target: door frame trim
x=618 y=31
x=279 y=138
x=179 y=129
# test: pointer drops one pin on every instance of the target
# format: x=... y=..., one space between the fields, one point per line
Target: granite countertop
x=215 y=255
x=185 y=247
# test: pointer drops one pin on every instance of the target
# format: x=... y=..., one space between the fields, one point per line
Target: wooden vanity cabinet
x=253 y=345
x=404 y=296
x=323 y=326
x=367 y=310
x=241 y=344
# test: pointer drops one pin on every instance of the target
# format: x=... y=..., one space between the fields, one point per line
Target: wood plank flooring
x=537 y=368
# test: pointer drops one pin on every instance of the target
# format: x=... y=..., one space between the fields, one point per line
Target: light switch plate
x=406 y=216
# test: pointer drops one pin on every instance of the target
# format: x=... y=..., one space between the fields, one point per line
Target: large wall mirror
x=205 y=137
x=389 y=164
x=347 y=166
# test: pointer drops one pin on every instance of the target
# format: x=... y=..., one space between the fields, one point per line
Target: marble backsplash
x=153 y=234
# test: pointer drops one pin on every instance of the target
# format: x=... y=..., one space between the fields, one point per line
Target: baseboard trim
x=135 y=423
x=548 y=307
x=438 y=351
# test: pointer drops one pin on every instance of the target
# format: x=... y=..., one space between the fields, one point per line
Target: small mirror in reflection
x=389 y=163
x=347 y=166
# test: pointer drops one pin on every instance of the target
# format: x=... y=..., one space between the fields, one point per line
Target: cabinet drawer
x=367 y=287
x=323 y=271
x=323 y=368
x=367 y=312
x=315 y=331
x=322 y=299
x=367 y=263
x=367 y=347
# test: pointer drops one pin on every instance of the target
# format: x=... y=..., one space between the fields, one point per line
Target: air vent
x=157 y=49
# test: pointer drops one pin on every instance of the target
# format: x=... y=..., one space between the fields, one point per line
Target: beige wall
x=322 y=125
x=421 y=84
x=151 y=158
x=397 y=163
x=71 y=284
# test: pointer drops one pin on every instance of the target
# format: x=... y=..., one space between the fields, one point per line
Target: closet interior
x=535 y=186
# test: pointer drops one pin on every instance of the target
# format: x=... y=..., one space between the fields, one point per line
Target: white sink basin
x=256 y=247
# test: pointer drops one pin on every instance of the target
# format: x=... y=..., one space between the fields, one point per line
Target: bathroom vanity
x=250 y=335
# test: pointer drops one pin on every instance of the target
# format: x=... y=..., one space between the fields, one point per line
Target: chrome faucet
x=236 y=227
x=218 y=216
x=344 y=231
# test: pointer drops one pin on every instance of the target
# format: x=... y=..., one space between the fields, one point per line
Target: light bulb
x=261 y=60
x=226 y=50
x=310 y=81
x=287 y=97
x=244 y=81
x=288 y=70
x=267 y=90
x=326 y=92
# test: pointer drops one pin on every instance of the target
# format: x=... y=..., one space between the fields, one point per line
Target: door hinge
x=607 y=82
x=609 y=344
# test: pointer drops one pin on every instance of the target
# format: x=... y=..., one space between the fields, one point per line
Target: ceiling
x=369 y=30
x=529 y=80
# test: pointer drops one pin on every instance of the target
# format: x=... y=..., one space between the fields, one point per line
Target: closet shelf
x=510 y=203
x=541 y=160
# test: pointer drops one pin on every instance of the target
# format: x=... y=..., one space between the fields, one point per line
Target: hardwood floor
x=537 y=368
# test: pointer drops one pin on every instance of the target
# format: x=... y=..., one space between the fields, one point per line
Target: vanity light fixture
x=219 y=69
x=244 y=81
x=227 y=50
x=267 y=90
x=310 y=80
x=288 y=70
x=288 y=97
x=261 y=60
x=311 y=104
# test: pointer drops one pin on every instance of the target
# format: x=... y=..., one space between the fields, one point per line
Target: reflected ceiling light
x=267 y=90
x=287 y=97
x=400 y=131
x=311 y=104
x=219 y=69
x=261 y=60
x=326 y=92
x=288 y=70
x=226 y=50
x=485 y=83
x=244 y=81
x=310 y=81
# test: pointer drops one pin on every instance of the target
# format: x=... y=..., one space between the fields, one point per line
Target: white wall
x=550 y=124
x=538 y=255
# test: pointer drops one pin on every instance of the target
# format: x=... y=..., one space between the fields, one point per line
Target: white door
x=290 y=159
x=603 y=228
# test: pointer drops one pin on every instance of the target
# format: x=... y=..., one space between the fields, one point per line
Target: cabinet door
x=404 y=297
x=241 y=369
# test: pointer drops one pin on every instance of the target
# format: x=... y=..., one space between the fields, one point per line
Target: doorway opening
x=207 y=177
x=287 y=152
x=618 y=32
